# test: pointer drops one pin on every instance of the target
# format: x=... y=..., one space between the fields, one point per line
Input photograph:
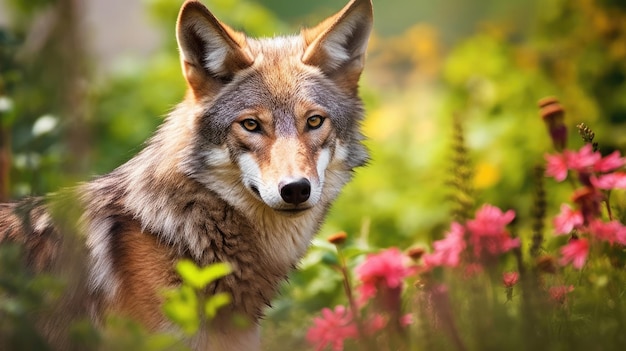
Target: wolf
x=242 y=171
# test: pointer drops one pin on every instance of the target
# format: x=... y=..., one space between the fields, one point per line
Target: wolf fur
x=242 y=171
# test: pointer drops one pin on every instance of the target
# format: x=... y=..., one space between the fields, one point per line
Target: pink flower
x=510 y=278
x=609 y=163
x=556 y=166
x=389 y=268
x=493 y=245
x=612 y=232
x=332 y=328
x=488 y=231
x=583 y=160
x=609 y=181
x=575 y=252
x=447 y=251
x=567 y=220
x=375 y=323
x=490 y=220
x=406 y=320
x=559 y=293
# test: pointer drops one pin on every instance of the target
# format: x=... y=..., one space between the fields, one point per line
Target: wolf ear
x=337 y=45
x=210 y=51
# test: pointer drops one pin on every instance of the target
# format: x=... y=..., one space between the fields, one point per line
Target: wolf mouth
x=292 y=211
x=256 y=191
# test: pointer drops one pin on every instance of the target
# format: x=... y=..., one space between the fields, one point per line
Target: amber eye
x=315 y=122
x=251 y=125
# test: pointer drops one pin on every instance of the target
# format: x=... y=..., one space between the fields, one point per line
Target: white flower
x=6 y=104
x=45 y=124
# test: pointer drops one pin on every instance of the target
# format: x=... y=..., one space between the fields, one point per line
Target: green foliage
x=181 y=307
x=121 y=334
x=246 y=15
x=199 y=278
x=22 y=292
x=214 y=303
x=23 y=295
x=461 y=171
x=188 y=306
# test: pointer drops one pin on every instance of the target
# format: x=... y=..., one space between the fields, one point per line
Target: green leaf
x=188 y=270
x=181 y=307
x=352 y=252
x=330 y=259
x=214 y=303
x=200 y=277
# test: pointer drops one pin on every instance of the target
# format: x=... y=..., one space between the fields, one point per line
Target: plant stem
x=607 y=202
x=353 y=306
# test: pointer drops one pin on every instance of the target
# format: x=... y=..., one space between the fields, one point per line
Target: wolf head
x=274 y=121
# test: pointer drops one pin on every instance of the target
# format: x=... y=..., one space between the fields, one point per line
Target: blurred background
x=83 y=83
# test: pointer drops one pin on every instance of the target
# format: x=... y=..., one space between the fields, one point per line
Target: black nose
x=296 y=192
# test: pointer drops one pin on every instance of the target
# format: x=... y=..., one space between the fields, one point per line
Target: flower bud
x=510 y=278
x=416 y=253
x=553 y=115
x=338 y=238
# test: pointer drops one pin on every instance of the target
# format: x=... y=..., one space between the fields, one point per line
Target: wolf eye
x=251 y=125
x=315 y=122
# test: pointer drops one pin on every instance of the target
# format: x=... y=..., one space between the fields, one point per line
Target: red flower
x=510 y=278
x=488 y=231
x=406 y=320
x=584 y=160
x=556 y=166
x=490 y=220
x=389 y=268
x=447 y=251
x=559 y=293
x=612 y=232
x=567 y=220
x=332 y=329
x=609 y=163
x=576 y=252
x=375 y=323
x=609 y=181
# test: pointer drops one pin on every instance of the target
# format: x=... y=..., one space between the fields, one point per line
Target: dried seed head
x=588 y=135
